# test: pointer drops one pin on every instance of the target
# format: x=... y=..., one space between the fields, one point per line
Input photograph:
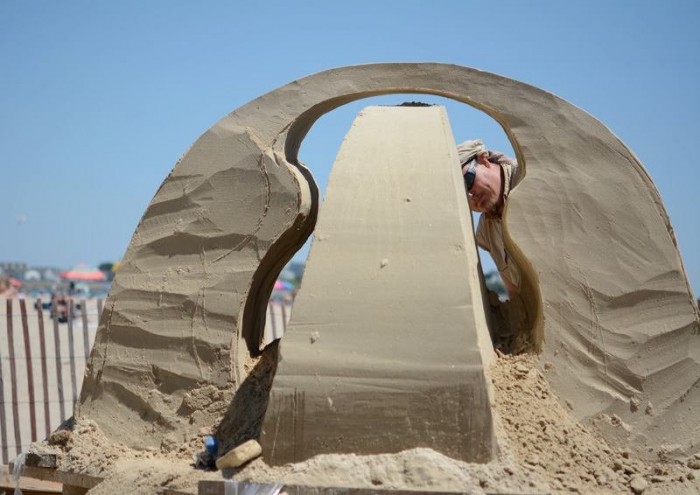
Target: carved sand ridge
x=606 y=286
x=388 y=327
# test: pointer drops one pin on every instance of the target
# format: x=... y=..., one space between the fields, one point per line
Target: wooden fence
x=42 y=361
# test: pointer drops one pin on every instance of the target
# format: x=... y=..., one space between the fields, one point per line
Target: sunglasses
x=470 y=174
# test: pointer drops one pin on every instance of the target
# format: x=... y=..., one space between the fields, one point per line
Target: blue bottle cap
x=211 y=444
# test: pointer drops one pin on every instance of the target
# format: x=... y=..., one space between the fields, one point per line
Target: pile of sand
x=542 y=449
x=86 y=450
x=547 y=441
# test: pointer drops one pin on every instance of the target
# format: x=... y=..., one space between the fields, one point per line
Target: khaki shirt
x=489 y=233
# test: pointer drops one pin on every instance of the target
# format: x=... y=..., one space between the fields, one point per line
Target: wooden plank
x=66 y=478
x=30 y=370
x=285 y=320
x=86 y=335
x=13 y=378
x=71 y=354
x=3 y=419
x=272 y=319
x=59 y=366
x=27 y=485
x=44 y=367
x=76 y=482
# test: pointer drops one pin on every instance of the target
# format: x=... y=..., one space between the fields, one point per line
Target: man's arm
x=483 y=241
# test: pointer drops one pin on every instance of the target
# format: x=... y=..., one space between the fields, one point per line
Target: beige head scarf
x=469 y=149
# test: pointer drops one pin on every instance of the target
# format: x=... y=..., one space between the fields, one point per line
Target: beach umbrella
x=15 y=283
x=83 y=272
x=283 y=285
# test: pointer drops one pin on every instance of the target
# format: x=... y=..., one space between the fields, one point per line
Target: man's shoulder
x=513 y=171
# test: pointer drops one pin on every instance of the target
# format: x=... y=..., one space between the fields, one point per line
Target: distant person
x=489 y=177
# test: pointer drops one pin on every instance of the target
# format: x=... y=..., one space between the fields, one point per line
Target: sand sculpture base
x=386 y=346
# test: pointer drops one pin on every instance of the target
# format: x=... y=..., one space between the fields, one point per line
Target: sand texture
x=544 y=450
x=608 y=300
x=389 y=325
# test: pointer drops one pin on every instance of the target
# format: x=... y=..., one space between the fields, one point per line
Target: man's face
x=485 y=192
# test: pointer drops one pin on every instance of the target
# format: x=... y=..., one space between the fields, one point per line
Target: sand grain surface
x=543 y=449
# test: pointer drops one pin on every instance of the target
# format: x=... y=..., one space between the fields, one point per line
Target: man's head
x=482 y=177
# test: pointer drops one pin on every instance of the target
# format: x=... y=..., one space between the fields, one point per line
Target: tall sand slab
x=386 y=346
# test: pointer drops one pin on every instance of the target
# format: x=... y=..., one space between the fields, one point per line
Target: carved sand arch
x=587 y=226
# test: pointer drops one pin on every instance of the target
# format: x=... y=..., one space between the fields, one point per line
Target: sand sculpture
x=389 y=326
x=611 y=310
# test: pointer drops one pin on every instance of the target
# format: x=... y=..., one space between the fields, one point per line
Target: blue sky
x=98 y=100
